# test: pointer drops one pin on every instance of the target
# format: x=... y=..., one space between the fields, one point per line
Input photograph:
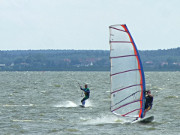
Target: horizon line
x=80 y=49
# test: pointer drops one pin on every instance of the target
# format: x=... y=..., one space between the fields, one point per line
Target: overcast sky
x=84 y=24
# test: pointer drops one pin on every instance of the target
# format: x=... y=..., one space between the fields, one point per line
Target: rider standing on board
x=86 y=93
x=149 y=102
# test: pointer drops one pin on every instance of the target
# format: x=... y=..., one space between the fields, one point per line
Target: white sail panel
x=127 y=76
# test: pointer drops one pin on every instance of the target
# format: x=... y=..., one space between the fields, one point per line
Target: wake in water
x=66 y=104
x=73 y=104
x=104 y=119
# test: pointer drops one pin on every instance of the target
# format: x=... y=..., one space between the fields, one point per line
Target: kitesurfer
x=149 y=102
x=86 y=94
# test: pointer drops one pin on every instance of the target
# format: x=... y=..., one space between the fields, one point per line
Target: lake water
x=47 y=103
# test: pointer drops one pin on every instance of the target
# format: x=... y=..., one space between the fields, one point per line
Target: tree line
x=82 y=60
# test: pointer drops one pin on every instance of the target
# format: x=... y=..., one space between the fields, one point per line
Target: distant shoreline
x=83 y=60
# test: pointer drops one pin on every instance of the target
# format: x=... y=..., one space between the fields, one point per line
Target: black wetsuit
x=149 y=101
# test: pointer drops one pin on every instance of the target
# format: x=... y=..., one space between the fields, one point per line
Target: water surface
x=48 y=103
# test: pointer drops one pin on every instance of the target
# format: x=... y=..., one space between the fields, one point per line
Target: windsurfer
x=149 y=102
x=86 y=93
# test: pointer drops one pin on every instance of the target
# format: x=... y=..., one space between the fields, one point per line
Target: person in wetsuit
x=86 y=93
x=149 y=102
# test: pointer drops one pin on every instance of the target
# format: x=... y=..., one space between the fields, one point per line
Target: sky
x=84 y=24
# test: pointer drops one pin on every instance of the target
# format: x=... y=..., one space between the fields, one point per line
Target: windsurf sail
x=127 y=75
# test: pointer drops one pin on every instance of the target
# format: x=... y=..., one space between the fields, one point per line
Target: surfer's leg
x=146 y=110
x=83 y=101
x=144 y=113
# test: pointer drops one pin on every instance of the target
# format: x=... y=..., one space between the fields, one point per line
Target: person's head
x=148 y=92
x=86 y=86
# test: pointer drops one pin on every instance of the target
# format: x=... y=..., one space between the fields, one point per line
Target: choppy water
x=48 y=103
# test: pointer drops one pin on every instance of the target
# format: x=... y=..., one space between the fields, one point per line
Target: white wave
x=67 y=104
x=88 y=103
x=10 y=105
x=73 y=104
x=104 y=119
x=22 y=120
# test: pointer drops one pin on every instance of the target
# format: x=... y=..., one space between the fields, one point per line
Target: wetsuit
x=149 y=101
x=86 y=93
